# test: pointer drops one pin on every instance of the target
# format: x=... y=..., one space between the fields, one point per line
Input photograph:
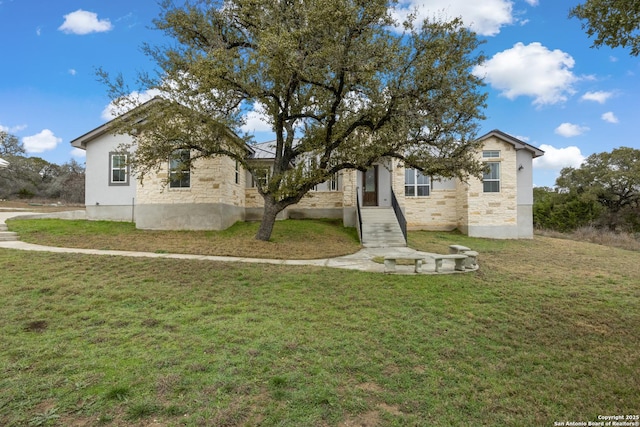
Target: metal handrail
x=399 y=214
x=358 y=214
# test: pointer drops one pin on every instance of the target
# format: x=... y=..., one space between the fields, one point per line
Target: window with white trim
x=180 y=169
x=416 y=184
x=491 y=177
x=260 y=177
x=118 y=169
x=491 y=154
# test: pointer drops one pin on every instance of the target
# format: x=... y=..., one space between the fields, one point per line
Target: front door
x=370 y=187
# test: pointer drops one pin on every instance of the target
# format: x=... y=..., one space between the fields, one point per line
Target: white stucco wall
x=105 y=201
x=524 y=160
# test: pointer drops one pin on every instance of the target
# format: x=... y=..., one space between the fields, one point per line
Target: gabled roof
x=263 y=150
x=81 y=141
x=266 y=150
x=519 y=145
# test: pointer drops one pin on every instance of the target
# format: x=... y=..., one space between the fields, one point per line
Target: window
x=237 y=172
x=491 y=154
x=261 y=176
x=415 y=183
x=118 y=169
x=179 y=169
x=333 y=182
x=491 y=178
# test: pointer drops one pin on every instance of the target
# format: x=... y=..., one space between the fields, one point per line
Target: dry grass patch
x=598 y=236
x=37 y=206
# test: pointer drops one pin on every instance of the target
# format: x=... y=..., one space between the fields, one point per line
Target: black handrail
x=399 y=215
x=358 y=214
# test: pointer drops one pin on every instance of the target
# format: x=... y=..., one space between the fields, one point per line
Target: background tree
x=564 y=211
x=340 y=86
x=604 y=191
x=613 y=180
x=10 y=145
x=612 y=22
x=68 y=184
x=33 y=177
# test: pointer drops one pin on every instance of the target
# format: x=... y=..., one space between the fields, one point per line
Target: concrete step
x=3 y=227
x=8 y=236
x=380 y=228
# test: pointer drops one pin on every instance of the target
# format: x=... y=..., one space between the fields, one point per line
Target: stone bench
x=458 y=258
x=390 y=262
x=458 y=249
x=472 y=259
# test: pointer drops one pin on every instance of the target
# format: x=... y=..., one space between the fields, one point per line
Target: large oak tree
x=339 y=82
x=611 y=22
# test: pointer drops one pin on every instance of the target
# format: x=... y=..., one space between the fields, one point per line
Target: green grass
x=545 y=331
x=306 y=239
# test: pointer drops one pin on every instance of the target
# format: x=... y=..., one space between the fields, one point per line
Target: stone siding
x=487 y=211
x=349 y=187
x=312 y=200
x=212 y=181
x=438 y=211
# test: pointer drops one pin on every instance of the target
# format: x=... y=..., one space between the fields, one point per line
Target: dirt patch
x=36 y=326
x=370 y=387
x=368 y=419
x=393 y=410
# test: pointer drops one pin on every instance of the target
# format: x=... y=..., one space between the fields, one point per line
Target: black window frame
x=179 y=176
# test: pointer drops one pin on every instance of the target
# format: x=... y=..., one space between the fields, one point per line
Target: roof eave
x=81 y=141
x=518 y=144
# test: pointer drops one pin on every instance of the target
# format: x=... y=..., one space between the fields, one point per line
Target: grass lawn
x=546 y=331
x=310 y=239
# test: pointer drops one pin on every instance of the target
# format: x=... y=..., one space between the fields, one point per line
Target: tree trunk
x=268 y=219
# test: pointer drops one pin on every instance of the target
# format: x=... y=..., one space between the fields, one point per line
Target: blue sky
x=546 y=85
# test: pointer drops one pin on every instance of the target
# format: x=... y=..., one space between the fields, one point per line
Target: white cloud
x=13 y=129
x=72 y=71
x=609 y=117
x=38 y=31
x=569 y=130
x=531 y=70
x=82 y=22
x=484 y=17
x=43 y=141
x=558 y=158
x=599 y=97
x=256 y=120
x=78 y=153
x=532 y=2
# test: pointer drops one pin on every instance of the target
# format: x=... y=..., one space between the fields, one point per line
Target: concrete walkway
x=361 y=260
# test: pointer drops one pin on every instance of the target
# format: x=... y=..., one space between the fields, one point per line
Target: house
x=218 y=192
x=3 y=163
